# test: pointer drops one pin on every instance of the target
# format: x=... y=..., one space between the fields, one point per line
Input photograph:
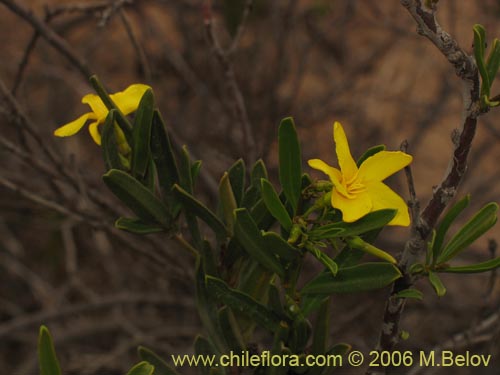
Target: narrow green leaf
x=207 y=307
x=137 y=197
x=195 y=170
x=360 y=278
x=273 y=242
x=373 y=220
x=274 y=205
x=261 y=215
x=437 y=284
x=249 y=237
x=479 y=46
x=47 y=358
x=290 y=162
x=228 y=201
x=322 y=328
x=200 y=210
x=137 y=226
x=109 y=144
x=204 y=349
x=329 y=263
x=312 y=302
x=410 y=293
x=243 y=303
x=237 y=178
x=142 y=368
x=185 y=172
x=445 y=224
x=122 y=121
x=472 y=230
x=299 y=334
x=161 y=367
x=493 y=61
x=259 y=172
x=275 y=300
x=141 y=133
x=370 y=152
x=163 y=156
x=231 y=330
x=474 y=268
x=360 y=244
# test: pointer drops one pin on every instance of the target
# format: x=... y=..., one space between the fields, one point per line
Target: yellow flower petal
x=129 y=99
x=97 y=106
x=346 y=162
x=383 y=164
x=333 y=173
x=72 y=127
x=94 y=132
x=383 y=197
x=352 y=208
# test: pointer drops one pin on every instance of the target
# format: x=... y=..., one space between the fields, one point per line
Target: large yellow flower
x=127 y=101
x=358 y=191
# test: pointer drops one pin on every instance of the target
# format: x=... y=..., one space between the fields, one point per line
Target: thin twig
x=241 y=28
x=466 y=69
x=52 y=38
x=234 y=93
x=141 y=55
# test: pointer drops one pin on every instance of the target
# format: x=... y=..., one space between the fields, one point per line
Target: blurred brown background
x=102 y=292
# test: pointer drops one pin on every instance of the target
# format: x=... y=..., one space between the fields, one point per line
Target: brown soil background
x=359 y=62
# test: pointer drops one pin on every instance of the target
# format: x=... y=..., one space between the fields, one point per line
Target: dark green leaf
x=493 y=62
x=254 y=280
x=290 y=162
x=472 y=230
x=199 y=209
x=185 y=171
x=137 y=197
x=252 y=194
x=142 y=368
x=370 y=152
x=261 y=215
x=163 y=156
x=312 y=302
x=474 y=268
x=243 y=303
x=47 y=358
x=161 y=367
x=109 y=144
x=437 y=284
x=231 y=330
x=328 y=263
x=237 y=178
x=369 y=222
x=445 y=224
x=299 y=334
x=228 y=201
x=250 y=238
x=137 y=226
x=204 y=349
x=195 y=170
x=322 y=329
x=363 y=277
x=122 y=121
x=273 y=242
x=479 y=46
x=207 y=307
x=274 y=205
x=410 y=293
x=141 y=133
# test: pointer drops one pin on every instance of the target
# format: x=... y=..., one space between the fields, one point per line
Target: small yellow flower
x=127 y=101
x=358 y=191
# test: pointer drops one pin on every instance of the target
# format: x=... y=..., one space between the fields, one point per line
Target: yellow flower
x=358 y=191
x=127 y=101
